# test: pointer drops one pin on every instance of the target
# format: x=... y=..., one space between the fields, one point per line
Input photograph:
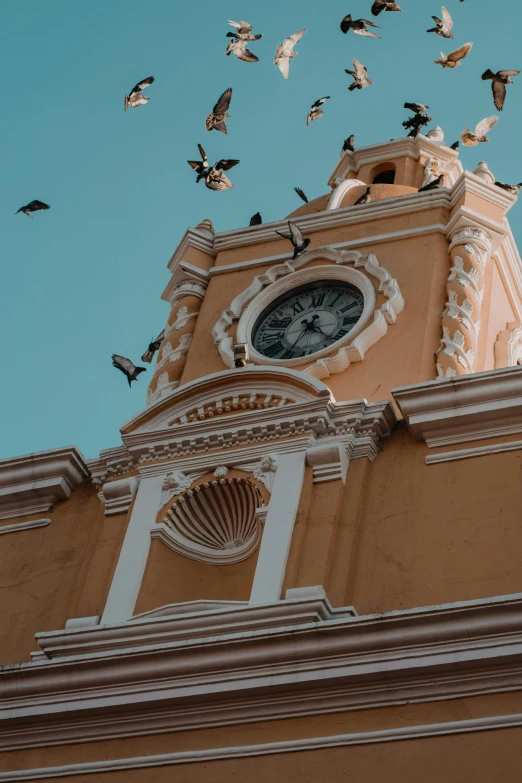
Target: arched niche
x=383 y=174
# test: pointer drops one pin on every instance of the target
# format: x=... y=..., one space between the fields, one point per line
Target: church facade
x=304 y=568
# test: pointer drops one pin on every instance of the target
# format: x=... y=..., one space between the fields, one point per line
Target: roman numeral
x=332 y=302
x=287 y=355
x=272 y=350
x=350 y=319
x=297 y=308
x=318 y=299
x=270 y=337
x=279 y=323
x=349 y=307
x=340 y=334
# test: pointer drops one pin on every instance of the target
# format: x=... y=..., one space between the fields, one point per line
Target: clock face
x=307 y=319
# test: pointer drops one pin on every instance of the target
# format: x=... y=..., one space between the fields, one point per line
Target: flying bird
x=33 y=206
x=238 y=47
x=127 y=367
x=216 y=179
x=358 y=26
x=285 y=51
x=498 y=85
x=471 y=139
x=453 y=58
x=301 y=195
x=349 y=143
x=243 y=31
x=256 y=219
x=416 y=108
x=153 y=347
x=438 y=182
x=443 y=26
x=135 y=97
x=365 y=198
x=296 y=238
x=216 y=120
x=384 y=5
x=201 y=167
x=513 y=189
x=360 y=76
x=455 y=146
x=315 y=112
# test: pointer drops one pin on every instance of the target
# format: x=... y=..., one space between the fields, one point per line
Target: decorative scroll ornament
x=175 y=483
x=182 y=318
x=216 y=522
x=431 y=170
x=470 y=250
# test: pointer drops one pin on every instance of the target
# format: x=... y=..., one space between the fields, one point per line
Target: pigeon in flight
x=360 y=76
x=33 y=206
x=238 y=47
x=135 y=97
x=471 y=139
x=365 y=198
x=453 y=58
x=498 y=85
x=127 y=367
x=349 y=143
x=153 y=347
x=455 y=146
x=513 y=189
x=416 y=108
x=216 y=179
x=296 y=238
x=201 y=167
x=444 y=25
x=438 y=182
x=256 y=219
x=216 y=120
x=315 y=112
x=358 y=26
x=243 y=31
x=384 y=5
x=285 y=51
x=301 y=195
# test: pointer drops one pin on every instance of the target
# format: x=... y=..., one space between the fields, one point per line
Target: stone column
x=186 y=303
x=470 y=251
x=279 y=526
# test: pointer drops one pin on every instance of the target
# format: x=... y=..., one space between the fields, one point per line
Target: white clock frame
x=336 y=274
x=250 y=303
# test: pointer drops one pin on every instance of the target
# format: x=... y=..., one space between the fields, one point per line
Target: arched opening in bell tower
x=383 y=174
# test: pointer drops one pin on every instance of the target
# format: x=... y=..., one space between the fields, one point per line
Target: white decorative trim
x=215 y=523
x=247 y=306
x=338 y=194
x=467 y=407
x=264 y=470
x=508 y=346
x=118 y=495
x=478 y=451
x=34 y=483
x=329 y=462
x=24 y=526
x=175 y=482
x=268 y=748
x=170 y=354
x=182 y=318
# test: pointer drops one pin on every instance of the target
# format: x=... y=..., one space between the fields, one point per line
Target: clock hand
x=302 y=333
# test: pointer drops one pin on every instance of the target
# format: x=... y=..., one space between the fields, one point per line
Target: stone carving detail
x=221 y=471
x=432 y=170
x=263 y=471
x=175 y=483
x=237 y=403
x=216 y=522
x=182 y=318
x=348 y=353
x=508 y=346
x=470 y=250
x=118 y=495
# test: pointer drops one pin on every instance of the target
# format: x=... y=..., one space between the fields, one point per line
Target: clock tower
x=309 y=564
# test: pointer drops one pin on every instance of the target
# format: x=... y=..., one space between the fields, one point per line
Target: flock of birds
x=214 y=175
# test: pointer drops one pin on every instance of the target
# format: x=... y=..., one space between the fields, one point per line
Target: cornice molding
x=118 y=495
x=478 y=451
x=213 y=676
x=186 y=280
x=34 y=483
x=268 y=748
x=201 y=238
x=465 y=407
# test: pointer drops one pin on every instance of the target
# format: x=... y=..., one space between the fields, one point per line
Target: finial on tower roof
x=435 y=134
x=206 y=227
x=484 y=173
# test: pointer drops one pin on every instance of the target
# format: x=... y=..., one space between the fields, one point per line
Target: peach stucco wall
x=50 y=574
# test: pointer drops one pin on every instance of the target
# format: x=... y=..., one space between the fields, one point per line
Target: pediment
x=231 y=393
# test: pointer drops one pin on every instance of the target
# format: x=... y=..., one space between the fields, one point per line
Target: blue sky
x=83 y=280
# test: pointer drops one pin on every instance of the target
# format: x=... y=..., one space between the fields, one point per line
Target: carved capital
x=118 y=495
x=329 y=462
